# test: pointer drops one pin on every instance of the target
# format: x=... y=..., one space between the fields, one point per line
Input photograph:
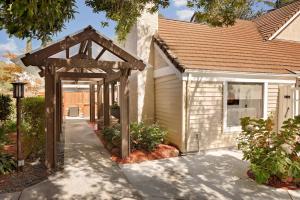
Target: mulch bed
x=137 y=156
x=33 y=172
x=275 y=182
x=17 y=181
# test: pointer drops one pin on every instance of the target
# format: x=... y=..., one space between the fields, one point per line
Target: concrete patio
x=219 y=174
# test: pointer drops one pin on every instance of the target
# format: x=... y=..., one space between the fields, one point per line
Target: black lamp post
x=18 y=93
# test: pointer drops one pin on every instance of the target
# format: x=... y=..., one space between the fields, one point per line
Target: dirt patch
x=276 y=182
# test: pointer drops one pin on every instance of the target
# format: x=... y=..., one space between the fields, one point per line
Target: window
x=243 y=100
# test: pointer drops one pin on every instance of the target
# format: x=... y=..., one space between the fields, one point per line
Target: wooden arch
x=82 y=65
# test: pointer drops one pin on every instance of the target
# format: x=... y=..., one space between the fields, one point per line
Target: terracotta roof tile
x=235 y=48
x=270 y=22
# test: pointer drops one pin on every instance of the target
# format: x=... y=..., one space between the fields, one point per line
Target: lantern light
x=18 y=89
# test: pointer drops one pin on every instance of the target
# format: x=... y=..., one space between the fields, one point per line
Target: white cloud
x=10 y=46
x=179 y=3
x=184 y=14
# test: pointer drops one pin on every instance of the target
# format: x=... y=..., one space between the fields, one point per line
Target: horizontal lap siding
x=205 y=115
x=273 y=90
x=168 y=105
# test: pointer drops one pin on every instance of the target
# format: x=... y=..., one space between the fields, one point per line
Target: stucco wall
x=168 y=107
x=291 y=32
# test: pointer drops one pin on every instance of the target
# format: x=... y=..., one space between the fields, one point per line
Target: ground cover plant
x=271 y=155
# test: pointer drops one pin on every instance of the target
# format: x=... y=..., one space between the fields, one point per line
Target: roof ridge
x=274 y=19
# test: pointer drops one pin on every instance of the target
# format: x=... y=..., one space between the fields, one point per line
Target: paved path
x=215 y=175
x=89 y=173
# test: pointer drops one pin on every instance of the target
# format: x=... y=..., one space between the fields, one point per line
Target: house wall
x=205 y=128
x=291 y=32
x=168 y=107
x=139 y=42
x=205 y=117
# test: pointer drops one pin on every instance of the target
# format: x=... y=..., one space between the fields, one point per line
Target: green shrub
x=142 y=137
x=5 y=107
x=10 y=126
x=113 y=135
x=7 y=164
x=33 y=126
x=145 y=137
x=270 y=153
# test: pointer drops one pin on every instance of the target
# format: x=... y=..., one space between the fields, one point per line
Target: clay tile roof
x=270 y=22
x=236 y=48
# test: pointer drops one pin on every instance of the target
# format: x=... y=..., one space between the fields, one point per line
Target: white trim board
x=238 y=77
x=284 y=26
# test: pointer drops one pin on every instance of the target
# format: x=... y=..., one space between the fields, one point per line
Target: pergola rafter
x=82 y=66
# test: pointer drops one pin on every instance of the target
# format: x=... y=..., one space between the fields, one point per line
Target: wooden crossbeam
x=100 y=54
x=70 y=75
x=117 y=51
x=37 y=57
x=113 y=77
x=84 y=63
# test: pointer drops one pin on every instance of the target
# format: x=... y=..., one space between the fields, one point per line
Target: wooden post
x=124 y=112
x=99 y=104
x=58 y=110
x=92 y=102
x=106 y=104
x=50 y=111
x=112 y=92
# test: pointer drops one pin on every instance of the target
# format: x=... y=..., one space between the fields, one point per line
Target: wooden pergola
x=83 y=65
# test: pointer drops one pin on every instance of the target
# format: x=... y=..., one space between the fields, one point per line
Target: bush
x=33 y=126
x=113 y=135
x=145 y=137
x=142 y=137
x=5 y=107
x=269 y=153
x=7 y=164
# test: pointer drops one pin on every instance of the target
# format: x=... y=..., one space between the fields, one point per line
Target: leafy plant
x=142 y=137
x=33 y=129
x=270 y=153
x=7 y=164
x=145 y=137
x=5 y=107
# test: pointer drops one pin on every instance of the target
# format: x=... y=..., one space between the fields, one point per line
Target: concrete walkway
x=219 y=174
x=89 y=173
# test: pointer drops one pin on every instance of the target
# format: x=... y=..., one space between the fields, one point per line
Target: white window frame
x=233 y=129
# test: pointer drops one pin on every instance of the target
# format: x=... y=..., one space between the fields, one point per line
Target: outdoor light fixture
x=18 y=93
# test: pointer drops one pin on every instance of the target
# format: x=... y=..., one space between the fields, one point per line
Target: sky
x=85 y=17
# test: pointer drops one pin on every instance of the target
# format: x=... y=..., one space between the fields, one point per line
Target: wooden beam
x=99 y=104
x=106 y=106
x=112 y=85
x=113 y=77
x=70 y=75
x=67 y=49
x=124 y=113
x=118 y=51
x=84 y=63
x=58 y=110
x=92 y=103
x=36 y=58
x=82 y=47
x=100 y=54
x=50 y=114
x=88 y=48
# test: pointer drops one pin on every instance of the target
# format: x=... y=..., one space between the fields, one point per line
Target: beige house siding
x=291 y=32
x=273 y=90
x=205 y=117
x=168 y=107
